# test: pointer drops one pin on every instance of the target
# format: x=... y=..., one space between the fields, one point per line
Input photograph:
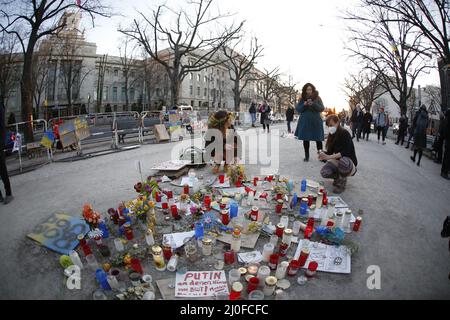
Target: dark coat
x=310 y=124
x=265 y=113
x=367 y=120
x=357 y=117
x=290 y=114
x=2 y=126
x=252 y=108
x=403 y=126
x=420 y=133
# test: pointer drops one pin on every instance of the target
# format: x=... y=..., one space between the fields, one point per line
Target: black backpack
x=445 y=233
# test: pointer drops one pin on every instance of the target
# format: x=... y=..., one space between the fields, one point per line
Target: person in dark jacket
x=446 y=158
x=310 y=124
x=367 y=121
x=290 y=117
x=340 y=156
x=252 y=112
x=265 y=110
x=402 y=129
x=3 y=171
x=12 y=118
x=420 y=134
x=438 y=144
x=357 y=121
x=412 y=129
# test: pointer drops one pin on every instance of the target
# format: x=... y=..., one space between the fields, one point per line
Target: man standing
x=382 y=124
x=357 y=120
x=252 y=112
x=446 y=159
x=367 y=121
x=3 y=171
x=290 y=117
x=402 y=129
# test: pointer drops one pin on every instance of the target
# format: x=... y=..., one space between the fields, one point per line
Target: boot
x=407 y=146
x=1 y=198
x=445 y=176
x=340 y=186
x=306 y=156
x=8 y=199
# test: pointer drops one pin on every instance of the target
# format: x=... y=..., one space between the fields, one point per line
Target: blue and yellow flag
x=47 y=139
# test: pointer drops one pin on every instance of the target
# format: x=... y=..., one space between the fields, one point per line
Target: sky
x=305 y=38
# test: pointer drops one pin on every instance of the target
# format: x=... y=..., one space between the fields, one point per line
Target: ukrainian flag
x=47 y=139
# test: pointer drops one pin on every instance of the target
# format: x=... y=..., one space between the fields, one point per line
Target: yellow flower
x=151 y=204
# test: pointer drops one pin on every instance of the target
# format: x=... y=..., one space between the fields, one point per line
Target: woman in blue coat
x=310 y=124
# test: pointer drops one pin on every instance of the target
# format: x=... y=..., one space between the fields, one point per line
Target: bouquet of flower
x=236 y=173
x=147 y=188
x=141 y=206
x=90 y=216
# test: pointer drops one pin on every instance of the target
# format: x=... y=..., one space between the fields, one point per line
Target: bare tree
x=434 y=95
x=269 y=84
x=192 y=46
x=390 y=48
x=364 y=88
x=31 y=20
x=41 y=69
x=130 y=65
x=101 y=66
x=240 y=67
x=8 y=66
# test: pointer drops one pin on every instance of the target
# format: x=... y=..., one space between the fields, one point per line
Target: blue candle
x=102 y=226
x=294 y=200
x=234 y=209
x=199 y=231
x=102 y=279
x=303 y=185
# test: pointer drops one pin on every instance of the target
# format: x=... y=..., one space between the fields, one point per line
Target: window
x=132 y=74
x=114 y=94
x=106 y=95
x=198 y=77
x=223 y=74
x=116 y=73
x=205 y=92
x=191 y=90
x=192 y=102
x=198 y=91
x=205 y=79
x=131 y=94
x=122 y=94
x=200 y=104
x=191 y=76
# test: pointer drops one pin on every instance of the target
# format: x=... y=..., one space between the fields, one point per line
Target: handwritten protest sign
x=198 y=284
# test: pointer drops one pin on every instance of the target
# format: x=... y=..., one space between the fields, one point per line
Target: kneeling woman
x=340 y=156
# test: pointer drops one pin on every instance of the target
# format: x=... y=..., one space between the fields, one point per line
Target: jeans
x=4 y=173
x=289 y=126
x=253 y=115
x=381 y=130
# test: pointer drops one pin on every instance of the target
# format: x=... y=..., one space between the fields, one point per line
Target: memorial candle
x=174 y=210
x=253 y=284
x=279 y=207
x=225 y=217
x=280 y=229
x=234 y=210
x=236 y=290
x=357 y=224
x=158 y=259
x=312 y=268
x=267 y=251
x=167 y=251
x=254 y=214
x=273 y=261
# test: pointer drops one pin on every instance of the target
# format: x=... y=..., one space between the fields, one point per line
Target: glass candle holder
x=312 y=269
x=102 y=279
x=284 y=220
x=319 y=200
x=303 y=185
x=287 y=236
x=207 y=246
x=252 y=269
x=113 y=283
x=158 y=259
x=199 y=230
x=229 y=257
x=294 y=266
x=263 y=273
x=279 y=207
x=267 y=251
x=118 y=245
x=254 y=214
x=274 y=240
x=253 y=284
x=280 y=230
x=174 y=210
x=304 y=255
x=269 y=287
x=296 y=227
x=75 y=259
x=236 y=290
x=357 y=224
x=167 y=251
x=173 y=263
x=346 y=221
x=339 y=218
x=136 y=265
x=256 y=295
x=283 y=249
x=234 y=275
x=273 y=261
x=282 y=270
x=191 y=252
x=236 y=240
x=149 y=239
x=225 y=217
x=221 y=178
x=234 y=210
x=92 y=261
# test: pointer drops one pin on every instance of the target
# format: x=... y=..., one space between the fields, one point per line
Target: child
x=221 y=123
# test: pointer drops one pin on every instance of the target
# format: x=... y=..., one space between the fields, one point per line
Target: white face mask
x=332 y=130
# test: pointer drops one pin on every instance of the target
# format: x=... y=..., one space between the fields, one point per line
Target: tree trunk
x=175 y=90
x=26 y=90
x=237 y=96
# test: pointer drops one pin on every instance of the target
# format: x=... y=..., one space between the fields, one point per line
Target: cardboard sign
x=161 y=133
x=81 y=128
x=197 y=284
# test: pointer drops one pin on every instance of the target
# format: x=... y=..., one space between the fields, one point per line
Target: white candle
x=267 y=251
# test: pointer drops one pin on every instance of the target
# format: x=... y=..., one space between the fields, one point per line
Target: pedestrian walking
x=3 y=170
x=367 y=122
x=252 y=112
x=402 y=129
x=420 y=134
x=340 y=156
x=446 y=157
x=289 y=117
x=382 y=124
x=265 y=116
x=412 y=129
x=357 y=121
x=438 y=144
x=310 y=124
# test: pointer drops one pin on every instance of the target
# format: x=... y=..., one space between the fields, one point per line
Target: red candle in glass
x=186 y=189
x=229 y=257
x=330 y=223
x=253 y=284
x=310 y=222
x=310 y=200
x=225 y=217
x=254 y=214
x=308 y=232
x=278 y=208
x=158 y=197
x=294 y=266
x=169 y=194
x=222 y=206
x=279 y=196
x=325 y=198
x=114 y=215
x=174 y=210
x=129 y=233
x=207 y=202
x=222 y=179
x=86 y=250
x=283 y=249
x=255 y=181
x=273 y=261
x=239 y=183
x=357 y=224
x=279 y=231
x=167 y=252
x=303 y=257
x=136 y=265
x=270 y=178
x=312 y=268
x=248 y=190
x=236 y=291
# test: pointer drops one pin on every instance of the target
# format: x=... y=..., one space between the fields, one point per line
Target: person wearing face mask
x=340 y=156
x=310 y=124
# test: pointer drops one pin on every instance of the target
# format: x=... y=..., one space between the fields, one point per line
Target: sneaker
x=413 y=159
x=445 y=176
x=8 y=199
x=384 y=143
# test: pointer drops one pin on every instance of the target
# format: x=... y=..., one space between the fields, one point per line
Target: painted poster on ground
x=199 y=284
